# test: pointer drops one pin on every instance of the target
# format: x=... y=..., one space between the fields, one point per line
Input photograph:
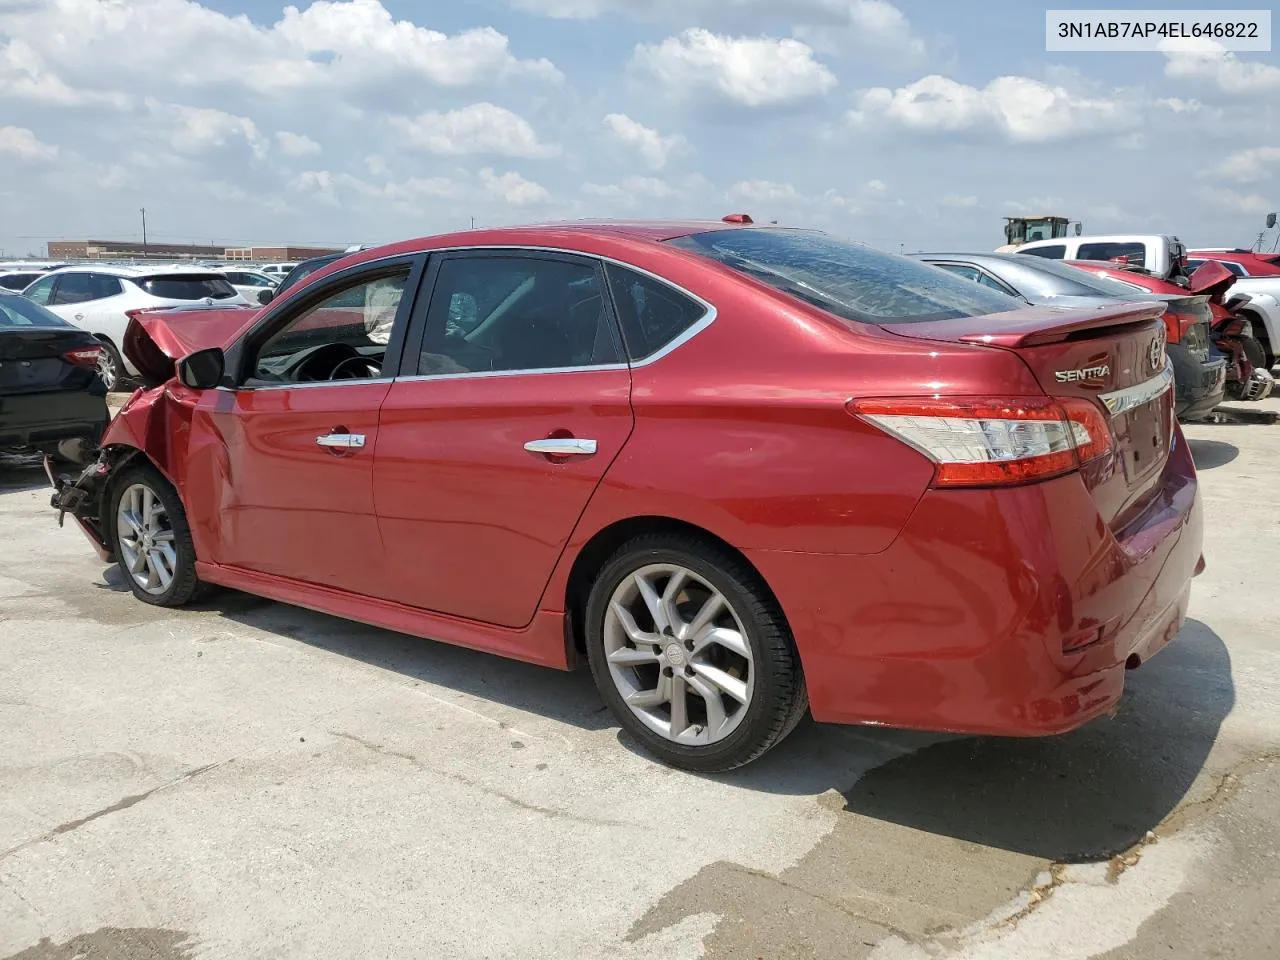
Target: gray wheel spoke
x=653 y=602
x=731 y=640
x=669 y=593
x=164 y=536
x=160 y=564
x=716 y=716
x=138 y=563
x=679 y=706
x=729 y=684
x=711 y=609
x=647 y=698
x=628 y=623
x=625 y=656
x=132 y=520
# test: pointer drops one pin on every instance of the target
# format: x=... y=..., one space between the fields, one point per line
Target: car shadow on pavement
x=1208 y=454
x=22 y=471
x=1082 y=796
x=566 y=697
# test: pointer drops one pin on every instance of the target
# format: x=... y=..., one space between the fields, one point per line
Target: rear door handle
x=562 y=447
x=341 y=441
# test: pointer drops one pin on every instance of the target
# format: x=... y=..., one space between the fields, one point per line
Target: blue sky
x=917 y=124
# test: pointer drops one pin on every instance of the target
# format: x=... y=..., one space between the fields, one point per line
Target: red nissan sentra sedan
x=741 y=471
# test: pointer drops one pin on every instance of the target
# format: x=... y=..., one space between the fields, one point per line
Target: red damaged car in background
x=742 y=472
x=1230 y=330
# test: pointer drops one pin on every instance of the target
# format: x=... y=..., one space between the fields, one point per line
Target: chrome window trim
x=306 y=384
x=672 y=345
x=1129 y=398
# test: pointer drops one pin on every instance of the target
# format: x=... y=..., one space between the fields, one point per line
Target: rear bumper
x=961 y=624
x=40 y=418
x=1198 y=386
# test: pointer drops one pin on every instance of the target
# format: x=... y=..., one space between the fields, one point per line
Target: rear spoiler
x=1032 y=327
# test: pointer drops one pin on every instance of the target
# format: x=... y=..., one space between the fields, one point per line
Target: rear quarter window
x=1134 y=254
x=651 y=313
x=180 y=287
x=1054 y=251
x=850 y=280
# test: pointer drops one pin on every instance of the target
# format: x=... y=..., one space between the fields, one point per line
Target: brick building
x=133 y=250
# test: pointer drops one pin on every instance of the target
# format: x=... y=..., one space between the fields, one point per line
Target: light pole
x=144 y=232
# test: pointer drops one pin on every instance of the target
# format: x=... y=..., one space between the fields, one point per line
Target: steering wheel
x=355 y=368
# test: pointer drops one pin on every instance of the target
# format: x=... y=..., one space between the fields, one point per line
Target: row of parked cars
x=744 y=473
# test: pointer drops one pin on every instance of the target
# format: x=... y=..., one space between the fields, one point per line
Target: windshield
x=850 y=280
x=17 y=311
x=1051 y=278
x=187 y=287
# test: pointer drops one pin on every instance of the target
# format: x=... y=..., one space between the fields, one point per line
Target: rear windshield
x=850 y=280
x=1052 y=278
x=20 y=312
x=1134 y=254
x=187 y=287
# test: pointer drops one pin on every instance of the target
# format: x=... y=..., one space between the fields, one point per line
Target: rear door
x=516 y=403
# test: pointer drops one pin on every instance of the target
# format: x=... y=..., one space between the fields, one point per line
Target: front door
x=488 y=456
x=287 y=457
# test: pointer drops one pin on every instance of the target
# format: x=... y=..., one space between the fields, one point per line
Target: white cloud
x=478 y=128
x=654 y=148
x=511 y=188
x=764 y=191
x=197 y=130
x=751 y=71
x=21 y=142
x=631 y=190
x=1021 y=109
x=956 y=200
x=296 y=144
x=1248 y=204
x=1249 y=165
x=1209 y=61
x=835 y=26
x=874 y=188
x=63 y=48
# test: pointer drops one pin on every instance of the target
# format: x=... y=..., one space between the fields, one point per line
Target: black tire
x=186 y=586
x=779 y=699
x=111 y=367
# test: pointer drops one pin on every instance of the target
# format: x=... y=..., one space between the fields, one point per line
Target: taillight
x=83 y=356
x=1177 y=324
x=993 y=441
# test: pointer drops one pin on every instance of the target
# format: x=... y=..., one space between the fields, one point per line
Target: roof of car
x=132 y=270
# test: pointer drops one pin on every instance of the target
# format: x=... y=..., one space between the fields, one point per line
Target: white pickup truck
x=1166 y=257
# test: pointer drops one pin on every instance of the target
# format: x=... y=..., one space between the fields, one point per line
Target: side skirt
x=541 y=643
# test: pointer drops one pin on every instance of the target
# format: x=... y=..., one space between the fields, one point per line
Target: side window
x=987 y=280
x=961 y=270
x=74 y=288
x=1055 y=251
x=651 y=313
x=516 y=313
x=40 y=290
x=234 y=277
x=343 y=337
x=1134 y=254
x=102 y=286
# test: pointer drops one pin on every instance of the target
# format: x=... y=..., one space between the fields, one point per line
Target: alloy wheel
x=108 y=369
x=678 y=654
x=146 y=539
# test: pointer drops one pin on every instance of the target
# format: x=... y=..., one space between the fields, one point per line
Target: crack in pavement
x=124 y=803
x=551 y=812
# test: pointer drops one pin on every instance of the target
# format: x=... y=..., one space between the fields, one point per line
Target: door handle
x=341 y=441
x=562 y=447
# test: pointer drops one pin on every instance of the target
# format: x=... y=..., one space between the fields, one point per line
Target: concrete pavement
x=251 y=780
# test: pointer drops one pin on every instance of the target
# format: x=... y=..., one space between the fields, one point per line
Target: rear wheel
x=111 y=366
x=692 y=654
x=152 y=540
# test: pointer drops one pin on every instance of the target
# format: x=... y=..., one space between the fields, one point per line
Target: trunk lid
x=31 y=359
x=156 y=339
x=1113 y=357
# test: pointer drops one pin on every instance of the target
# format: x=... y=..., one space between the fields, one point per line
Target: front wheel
x=692 y=653
x=152 y=540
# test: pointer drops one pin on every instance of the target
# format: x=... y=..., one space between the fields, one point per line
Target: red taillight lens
x=83 y=356
x=1177 y=324
x=993 y=441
